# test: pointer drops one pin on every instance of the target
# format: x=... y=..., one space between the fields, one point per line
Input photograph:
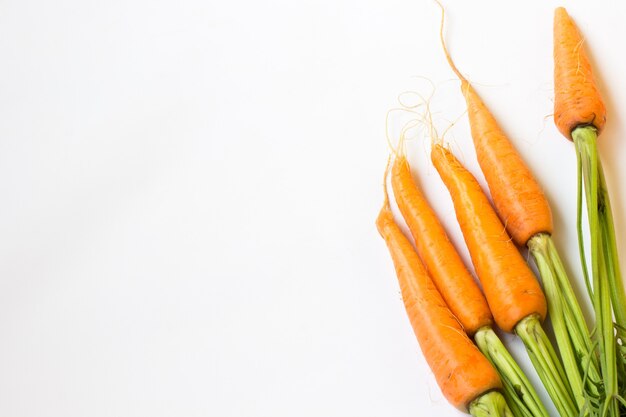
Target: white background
x=189 y=191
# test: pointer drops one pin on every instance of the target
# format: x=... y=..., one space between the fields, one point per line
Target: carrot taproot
x=577 y=99
x=462 y=372
x=459 y=289
x=513 y=293
x=525 y=211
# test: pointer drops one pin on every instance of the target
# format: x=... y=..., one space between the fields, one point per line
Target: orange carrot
x=445 y=266
x=511 y=288
x=577 y=100
x=462 y=372
x=518 y=198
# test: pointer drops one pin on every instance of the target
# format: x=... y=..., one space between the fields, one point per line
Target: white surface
x=189 y=192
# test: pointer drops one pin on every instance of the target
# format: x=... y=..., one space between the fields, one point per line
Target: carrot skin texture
x=577 y=100
x=511 y=288
x=455 y=283
x=461 y=371
x=517 y=196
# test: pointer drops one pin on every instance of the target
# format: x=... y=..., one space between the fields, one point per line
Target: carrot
x=518 y=197
x=513 y=293
x=577 y=100
x=511 y=288
x=459 y=289
x=580 y=115
x=524 y=209
x=464 y=375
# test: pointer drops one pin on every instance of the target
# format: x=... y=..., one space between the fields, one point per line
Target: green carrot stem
x=579 y=216
x=572 y=335
x=618 y=296
x=518 y=391
x=538 y=248
x=601 y=266
x=547 y=365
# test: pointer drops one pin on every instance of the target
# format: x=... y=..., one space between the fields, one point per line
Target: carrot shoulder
x=445 y=266
x=512 y=290
x=577 y=100
x=461 y=371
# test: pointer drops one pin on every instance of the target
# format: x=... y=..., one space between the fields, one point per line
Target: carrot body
x=577 y=100
x=462 y=372
x=518 y=198
x=512 y=290
x=445 y=266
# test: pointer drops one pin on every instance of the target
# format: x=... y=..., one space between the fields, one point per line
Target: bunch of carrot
x=588 y=375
